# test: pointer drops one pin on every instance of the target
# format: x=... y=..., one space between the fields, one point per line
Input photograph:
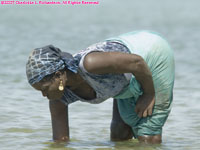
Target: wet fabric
x=159 y=57
x=47 y=60
x=105 y=86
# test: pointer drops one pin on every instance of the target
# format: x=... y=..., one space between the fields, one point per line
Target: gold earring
x=61 y=88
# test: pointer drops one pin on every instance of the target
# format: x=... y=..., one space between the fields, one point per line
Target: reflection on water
x=128 y=145
x=25 y=120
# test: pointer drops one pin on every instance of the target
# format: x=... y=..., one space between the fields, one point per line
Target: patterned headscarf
x=47 y=60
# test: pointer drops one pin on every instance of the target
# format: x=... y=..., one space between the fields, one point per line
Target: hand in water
x=144 y=105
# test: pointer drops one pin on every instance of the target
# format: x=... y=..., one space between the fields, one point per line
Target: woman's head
x=44 y=68
x=49 y=85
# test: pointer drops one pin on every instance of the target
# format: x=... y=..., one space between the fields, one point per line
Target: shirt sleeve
x=68 y=97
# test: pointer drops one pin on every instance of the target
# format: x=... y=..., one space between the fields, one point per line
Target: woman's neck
x=73 y=80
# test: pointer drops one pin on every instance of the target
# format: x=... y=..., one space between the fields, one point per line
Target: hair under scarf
x=47 y=60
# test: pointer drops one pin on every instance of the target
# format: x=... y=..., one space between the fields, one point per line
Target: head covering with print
x=47 y=60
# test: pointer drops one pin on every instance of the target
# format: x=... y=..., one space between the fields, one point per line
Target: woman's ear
x=58 y=74
x=61 y=75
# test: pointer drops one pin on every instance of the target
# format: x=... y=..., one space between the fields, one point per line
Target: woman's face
x=49 y=88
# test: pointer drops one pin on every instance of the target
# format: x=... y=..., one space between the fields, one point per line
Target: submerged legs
x=119 y=130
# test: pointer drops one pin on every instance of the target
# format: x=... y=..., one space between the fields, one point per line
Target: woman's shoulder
x=104 y=46
x=100 y=46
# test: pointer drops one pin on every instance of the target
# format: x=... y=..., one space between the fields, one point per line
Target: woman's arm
x=59 y=118
x=117 y=62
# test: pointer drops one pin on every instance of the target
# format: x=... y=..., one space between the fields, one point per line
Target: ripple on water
x=20 y=130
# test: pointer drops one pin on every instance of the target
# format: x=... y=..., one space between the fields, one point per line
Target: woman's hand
x=59 y=119
x=145 y=104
